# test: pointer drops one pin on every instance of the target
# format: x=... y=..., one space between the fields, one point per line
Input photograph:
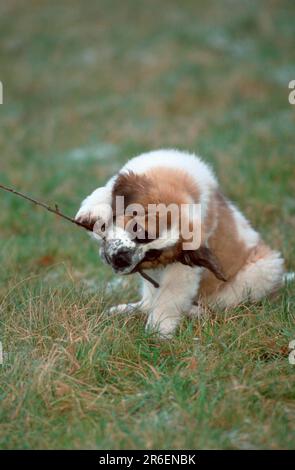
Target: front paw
x=196 y=311
x=92 y=215
x=95 y=209
x=164 y=326
x=124 y=308
x=95 y=216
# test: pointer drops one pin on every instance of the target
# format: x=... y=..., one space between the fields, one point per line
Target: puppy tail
x=289 y=277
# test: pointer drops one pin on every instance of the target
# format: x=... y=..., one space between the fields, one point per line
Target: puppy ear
x=130 y=185
x=203 y=257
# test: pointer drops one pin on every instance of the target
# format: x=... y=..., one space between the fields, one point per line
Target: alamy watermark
x=292 y=93
x=156 y=221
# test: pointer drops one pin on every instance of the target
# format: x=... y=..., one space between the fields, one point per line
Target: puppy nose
x=122 y=259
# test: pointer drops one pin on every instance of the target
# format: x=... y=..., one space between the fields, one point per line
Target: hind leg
x=261 y=276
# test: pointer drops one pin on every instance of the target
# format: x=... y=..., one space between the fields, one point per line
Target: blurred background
x=89 y=84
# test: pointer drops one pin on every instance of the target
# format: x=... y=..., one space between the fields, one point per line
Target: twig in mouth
x=66 y=217
x=148 y=278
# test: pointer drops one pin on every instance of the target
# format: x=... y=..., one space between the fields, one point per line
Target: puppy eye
x=103 y=228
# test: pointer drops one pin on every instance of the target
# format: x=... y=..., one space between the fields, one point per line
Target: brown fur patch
x=165 y=257
x=231 y=252
x=203 y=256
x=133 y=187
x=167 y=186
x=258 y=252
x=160 y=186
x=173 y=186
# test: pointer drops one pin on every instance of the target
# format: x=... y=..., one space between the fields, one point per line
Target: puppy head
x=153 y=222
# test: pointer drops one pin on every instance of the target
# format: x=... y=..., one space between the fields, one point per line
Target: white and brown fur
x=233 y=264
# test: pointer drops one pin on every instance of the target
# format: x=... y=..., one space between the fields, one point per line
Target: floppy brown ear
x=130 y=185
x=203 y=257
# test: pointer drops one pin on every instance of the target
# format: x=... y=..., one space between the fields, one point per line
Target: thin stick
x=66 y=217
x=45 y=206
x=148 y=278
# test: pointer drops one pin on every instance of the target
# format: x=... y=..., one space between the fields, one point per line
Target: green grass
x=86 y=86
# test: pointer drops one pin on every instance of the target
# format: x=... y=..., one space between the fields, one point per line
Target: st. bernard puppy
x=226 y=263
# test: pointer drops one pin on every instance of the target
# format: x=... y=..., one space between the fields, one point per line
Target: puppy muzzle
x=123 y=259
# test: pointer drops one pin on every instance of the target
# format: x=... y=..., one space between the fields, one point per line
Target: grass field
x=86 y=86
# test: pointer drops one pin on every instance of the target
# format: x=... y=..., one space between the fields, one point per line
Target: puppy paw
x=164 y=327
x=197 y=311
x=93 y=216
x=124 y=308
x=95 y=208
